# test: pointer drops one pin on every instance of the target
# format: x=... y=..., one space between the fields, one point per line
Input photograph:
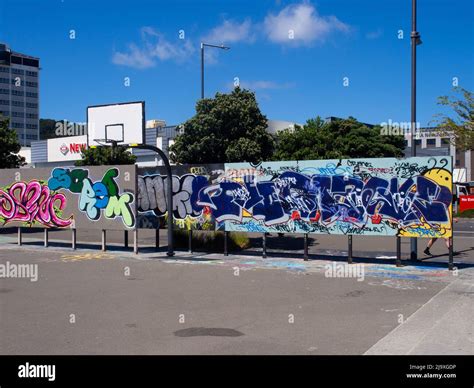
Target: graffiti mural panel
x=76 y=197
x=187 y=182
x=386 y=197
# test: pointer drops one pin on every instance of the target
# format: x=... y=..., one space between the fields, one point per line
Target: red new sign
x=76 y=147
x=466 y=202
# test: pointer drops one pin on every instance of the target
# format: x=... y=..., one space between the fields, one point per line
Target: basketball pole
x=415 y=41
x=114 y=148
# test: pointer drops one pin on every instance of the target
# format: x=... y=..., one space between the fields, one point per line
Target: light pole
x=415 y=41
x=222 y=47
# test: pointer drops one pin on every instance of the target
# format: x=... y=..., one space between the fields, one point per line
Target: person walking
x=432 y=241
x=448 y=242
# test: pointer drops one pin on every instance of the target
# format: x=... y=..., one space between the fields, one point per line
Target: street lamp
x=222 y=47
x=415 y=41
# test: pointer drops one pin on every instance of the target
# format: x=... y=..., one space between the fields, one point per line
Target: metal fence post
x=451 y=254
x=135 y=241
x=190 y=240
x=125 y=238
x=226 y=236
x=349 y=249
x=451 y=245
x=306 y=257
x=46 y=242
x=399 y=252
x=104 y=242
x=20 y=239
x=73 y=239
x=264 y=246
x=157 y=237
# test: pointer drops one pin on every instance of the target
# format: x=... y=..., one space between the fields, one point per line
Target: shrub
x=210 y=241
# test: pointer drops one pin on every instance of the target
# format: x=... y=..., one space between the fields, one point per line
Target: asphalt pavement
x=86 y=301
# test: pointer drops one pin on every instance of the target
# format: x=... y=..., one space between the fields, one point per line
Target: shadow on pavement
x=277 y=247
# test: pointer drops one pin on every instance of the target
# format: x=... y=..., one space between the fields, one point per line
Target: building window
x=31 y=62
x=431 y=142
x=15 y=59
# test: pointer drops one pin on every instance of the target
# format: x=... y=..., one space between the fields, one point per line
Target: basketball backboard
x=122 y=123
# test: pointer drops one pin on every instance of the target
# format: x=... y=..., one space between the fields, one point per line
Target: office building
x=19 y=93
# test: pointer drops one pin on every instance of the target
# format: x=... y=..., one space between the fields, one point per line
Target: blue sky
x=294 y=79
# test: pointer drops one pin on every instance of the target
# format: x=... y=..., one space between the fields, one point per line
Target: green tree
x=98 y=156
x=227 y=128
x=342 y=138
x=9 y=146
x=461 y=128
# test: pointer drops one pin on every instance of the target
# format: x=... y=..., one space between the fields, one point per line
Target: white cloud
x=303 y=23
x=263 y=85
x=230 y=32
x=302 y=20
x=374 y=34
x=154 y=47
x=134 y=57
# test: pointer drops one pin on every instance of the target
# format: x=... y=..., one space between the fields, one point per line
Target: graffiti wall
x=187 y=183
x=80 y=197
x=386 y=197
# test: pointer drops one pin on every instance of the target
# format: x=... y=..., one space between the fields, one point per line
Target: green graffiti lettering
x=77 y=179
x=109 y=182
x=120 y=206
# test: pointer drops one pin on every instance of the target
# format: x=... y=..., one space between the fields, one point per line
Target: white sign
x=459 y=175
x=62 y=149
